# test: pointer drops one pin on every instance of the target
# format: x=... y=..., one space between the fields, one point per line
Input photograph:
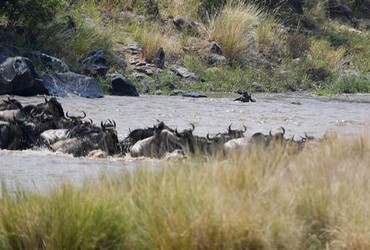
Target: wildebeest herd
x=45 y=125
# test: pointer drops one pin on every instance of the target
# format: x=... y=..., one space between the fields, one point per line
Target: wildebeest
x=245 y=97
x=164 y=141
x=141 y=134
x=104 y=138
x=229 y=135
x=11 y=136
x=10 y=104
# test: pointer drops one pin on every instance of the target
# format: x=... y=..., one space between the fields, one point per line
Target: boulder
x=45 y=64
x=122 y=86
x=95 y=63
x=18 y=77
x=158 y=59
x=184 y=73
x=194 y=94
x=63 y=84
x=185 y=25
x=216 y=59
x=216 y=48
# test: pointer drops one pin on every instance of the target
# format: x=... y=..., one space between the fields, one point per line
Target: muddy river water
x=347 y=115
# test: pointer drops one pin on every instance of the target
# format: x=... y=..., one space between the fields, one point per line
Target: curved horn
x=91 y=121
x=102 y=125
x=67 y=115
x=305 y=134
x=114 y=124
x=209 y=138
x=192 y=125
x=292 y=138
x=245 y=128
x=81 y=117
x=283 y=130
x=46 y=100
x=230 y=127
x=176 y=132
x=270 y=133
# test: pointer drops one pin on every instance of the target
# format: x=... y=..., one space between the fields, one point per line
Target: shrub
x=151 y=39
x=28 y=13
x=233 y=28
x=324 y=55
x=297 y=44
x=351 y=85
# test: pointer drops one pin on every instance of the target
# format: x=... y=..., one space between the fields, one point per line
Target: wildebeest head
x=51 y=106
x=231 y=134
x=10 y=104
x=109 y=127
x=76 y=119
x=186 y=139
x=277 y=137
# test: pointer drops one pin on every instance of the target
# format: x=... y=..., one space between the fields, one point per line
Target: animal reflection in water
x=45 y=125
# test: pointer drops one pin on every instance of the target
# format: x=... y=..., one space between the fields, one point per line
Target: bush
x=233 y=28
x=351 y=85
x=29 y=14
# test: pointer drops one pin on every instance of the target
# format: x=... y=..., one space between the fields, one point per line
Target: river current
x=347 y=115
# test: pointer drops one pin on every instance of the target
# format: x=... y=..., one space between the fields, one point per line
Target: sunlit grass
x=233 y=27
x=312 y=200
x=325 y=55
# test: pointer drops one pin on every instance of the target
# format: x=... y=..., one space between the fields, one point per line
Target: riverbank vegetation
x=270 y=45
x=258 y=200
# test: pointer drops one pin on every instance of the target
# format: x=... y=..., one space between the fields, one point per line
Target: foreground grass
x=314 y=200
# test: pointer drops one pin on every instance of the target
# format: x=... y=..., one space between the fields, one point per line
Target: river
x=347 y=115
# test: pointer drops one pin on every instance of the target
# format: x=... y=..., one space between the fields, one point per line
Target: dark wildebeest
x=164 y=141
x=10 y=104
x=245 y=97
x=141 y=134
x=104 y=138
x=229 y=135
x=11 y=136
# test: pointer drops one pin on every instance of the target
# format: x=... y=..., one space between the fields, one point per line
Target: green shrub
x=351 y=85
x=29 y=14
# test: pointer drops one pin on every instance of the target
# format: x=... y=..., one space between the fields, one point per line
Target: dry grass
x=151 y=39
x=324 y=55
x=258 y=200
x=233 y=28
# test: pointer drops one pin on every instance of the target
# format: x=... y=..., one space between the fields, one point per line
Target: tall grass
x=257 y=200
x=233 y=27
x=151 y=40
x=324 y=55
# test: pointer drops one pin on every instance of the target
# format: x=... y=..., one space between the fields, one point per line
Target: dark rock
x=317 y=74
x=193 y=94
x=3 y=58
x=158 y=59
x=185 y=25
x=8 y=50
x=184 y=73
x=169 y=86
x=216 y=48
x=95 y=63
x=296 y=103
x=46 y=64
x=216 y=59
x=133 y=48
x=18 y=77
x=257 y=86
x=62 y=84
x=122 y=86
